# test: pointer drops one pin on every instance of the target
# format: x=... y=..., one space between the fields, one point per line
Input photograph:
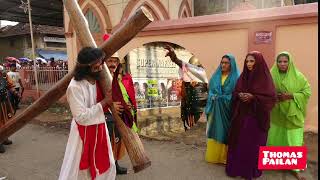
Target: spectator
x=6 y=111
x=16 y=78
x=52 y=63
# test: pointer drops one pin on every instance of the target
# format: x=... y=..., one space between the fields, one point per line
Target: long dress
x=118 y=146
x=250 y=120
x=287 y=117
x=218 y=111
x=123 y=90
x=86 y=111
x=194 y=93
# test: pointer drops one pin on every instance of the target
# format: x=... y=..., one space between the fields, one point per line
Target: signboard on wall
x=156 y=77
x=54 y=39
x=263 y=37
x=150 y=62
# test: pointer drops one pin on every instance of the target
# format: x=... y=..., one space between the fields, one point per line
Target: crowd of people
x=256 y=108
x=247 y=110
x=40 y=63
x=244 y=111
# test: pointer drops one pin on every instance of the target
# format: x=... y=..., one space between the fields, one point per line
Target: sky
x=5 y=23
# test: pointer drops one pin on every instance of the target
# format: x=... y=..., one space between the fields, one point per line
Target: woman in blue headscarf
x=218 y=109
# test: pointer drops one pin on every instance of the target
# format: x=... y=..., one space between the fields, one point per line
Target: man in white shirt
x=194 y=89
x=16 y=78
x=88 y=153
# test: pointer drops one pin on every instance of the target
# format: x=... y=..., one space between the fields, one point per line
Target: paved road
x=38 y=151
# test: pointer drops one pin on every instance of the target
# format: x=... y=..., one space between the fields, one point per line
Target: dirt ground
x=38 y=149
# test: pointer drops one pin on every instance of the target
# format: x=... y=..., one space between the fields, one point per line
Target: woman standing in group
x=253 y=99
x=218 y=109
x=287 y=117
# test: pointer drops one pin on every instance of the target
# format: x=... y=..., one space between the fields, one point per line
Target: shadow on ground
x=166 y=127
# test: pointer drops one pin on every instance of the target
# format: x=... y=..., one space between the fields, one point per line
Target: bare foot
x=191 y=121
x=297 y=175
x=221 y=164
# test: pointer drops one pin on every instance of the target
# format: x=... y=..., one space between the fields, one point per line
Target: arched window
x=93 y=22
x=154 y=6
x=184 y=10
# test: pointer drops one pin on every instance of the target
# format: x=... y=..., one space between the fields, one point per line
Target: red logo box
x=282 y=157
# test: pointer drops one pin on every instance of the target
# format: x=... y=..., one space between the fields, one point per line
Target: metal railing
x=47 y=77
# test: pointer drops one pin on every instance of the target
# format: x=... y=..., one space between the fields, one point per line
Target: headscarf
x=117 y=96
x=259 y=83
x=219 y=102
x=290 y=113
x=215 y=87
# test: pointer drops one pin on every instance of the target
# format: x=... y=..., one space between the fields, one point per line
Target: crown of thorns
x=92 y=63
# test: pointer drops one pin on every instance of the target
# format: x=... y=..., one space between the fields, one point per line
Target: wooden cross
x=121 y=37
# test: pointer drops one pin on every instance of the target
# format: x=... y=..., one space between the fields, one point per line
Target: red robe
x=95 y=154
x=117 y=95
x=100 y=97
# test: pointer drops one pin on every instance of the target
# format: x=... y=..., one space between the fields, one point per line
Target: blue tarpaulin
x=57 y=55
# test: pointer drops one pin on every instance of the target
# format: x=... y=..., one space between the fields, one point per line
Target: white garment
x=15 y=76
x=18 y=66
x=82 y=96
x=190 y=72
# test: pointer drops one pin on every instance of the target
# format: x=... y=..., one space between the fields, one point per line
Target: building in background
x=106 y=16
x=16 y=41
x=207 y=7
x=6 y=23
x=247 y=26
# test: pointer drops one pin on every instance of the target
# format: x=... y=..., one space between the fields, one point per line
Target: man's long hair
x=86 y=56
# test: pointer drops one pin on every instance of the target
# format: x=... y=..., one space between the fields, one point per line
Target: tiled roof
x=24 y=28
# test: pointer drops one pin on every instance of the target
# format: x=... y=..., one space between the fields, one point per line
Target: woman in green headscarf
x=287 y=117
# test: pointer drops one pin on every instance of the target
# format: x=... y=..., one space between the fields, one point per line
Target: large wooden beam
x=128 y=31
x=133 y=26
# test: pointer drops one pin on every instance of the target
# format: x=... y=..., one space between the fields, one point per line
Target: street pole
x=33 y=50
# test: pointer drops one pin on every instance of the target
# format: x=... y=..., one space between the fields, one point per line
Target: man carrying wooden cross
x=96 y=163
x=88 y=153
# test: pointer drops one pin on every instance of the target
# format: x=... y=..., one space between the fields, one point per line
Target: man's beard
x=95 y=75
